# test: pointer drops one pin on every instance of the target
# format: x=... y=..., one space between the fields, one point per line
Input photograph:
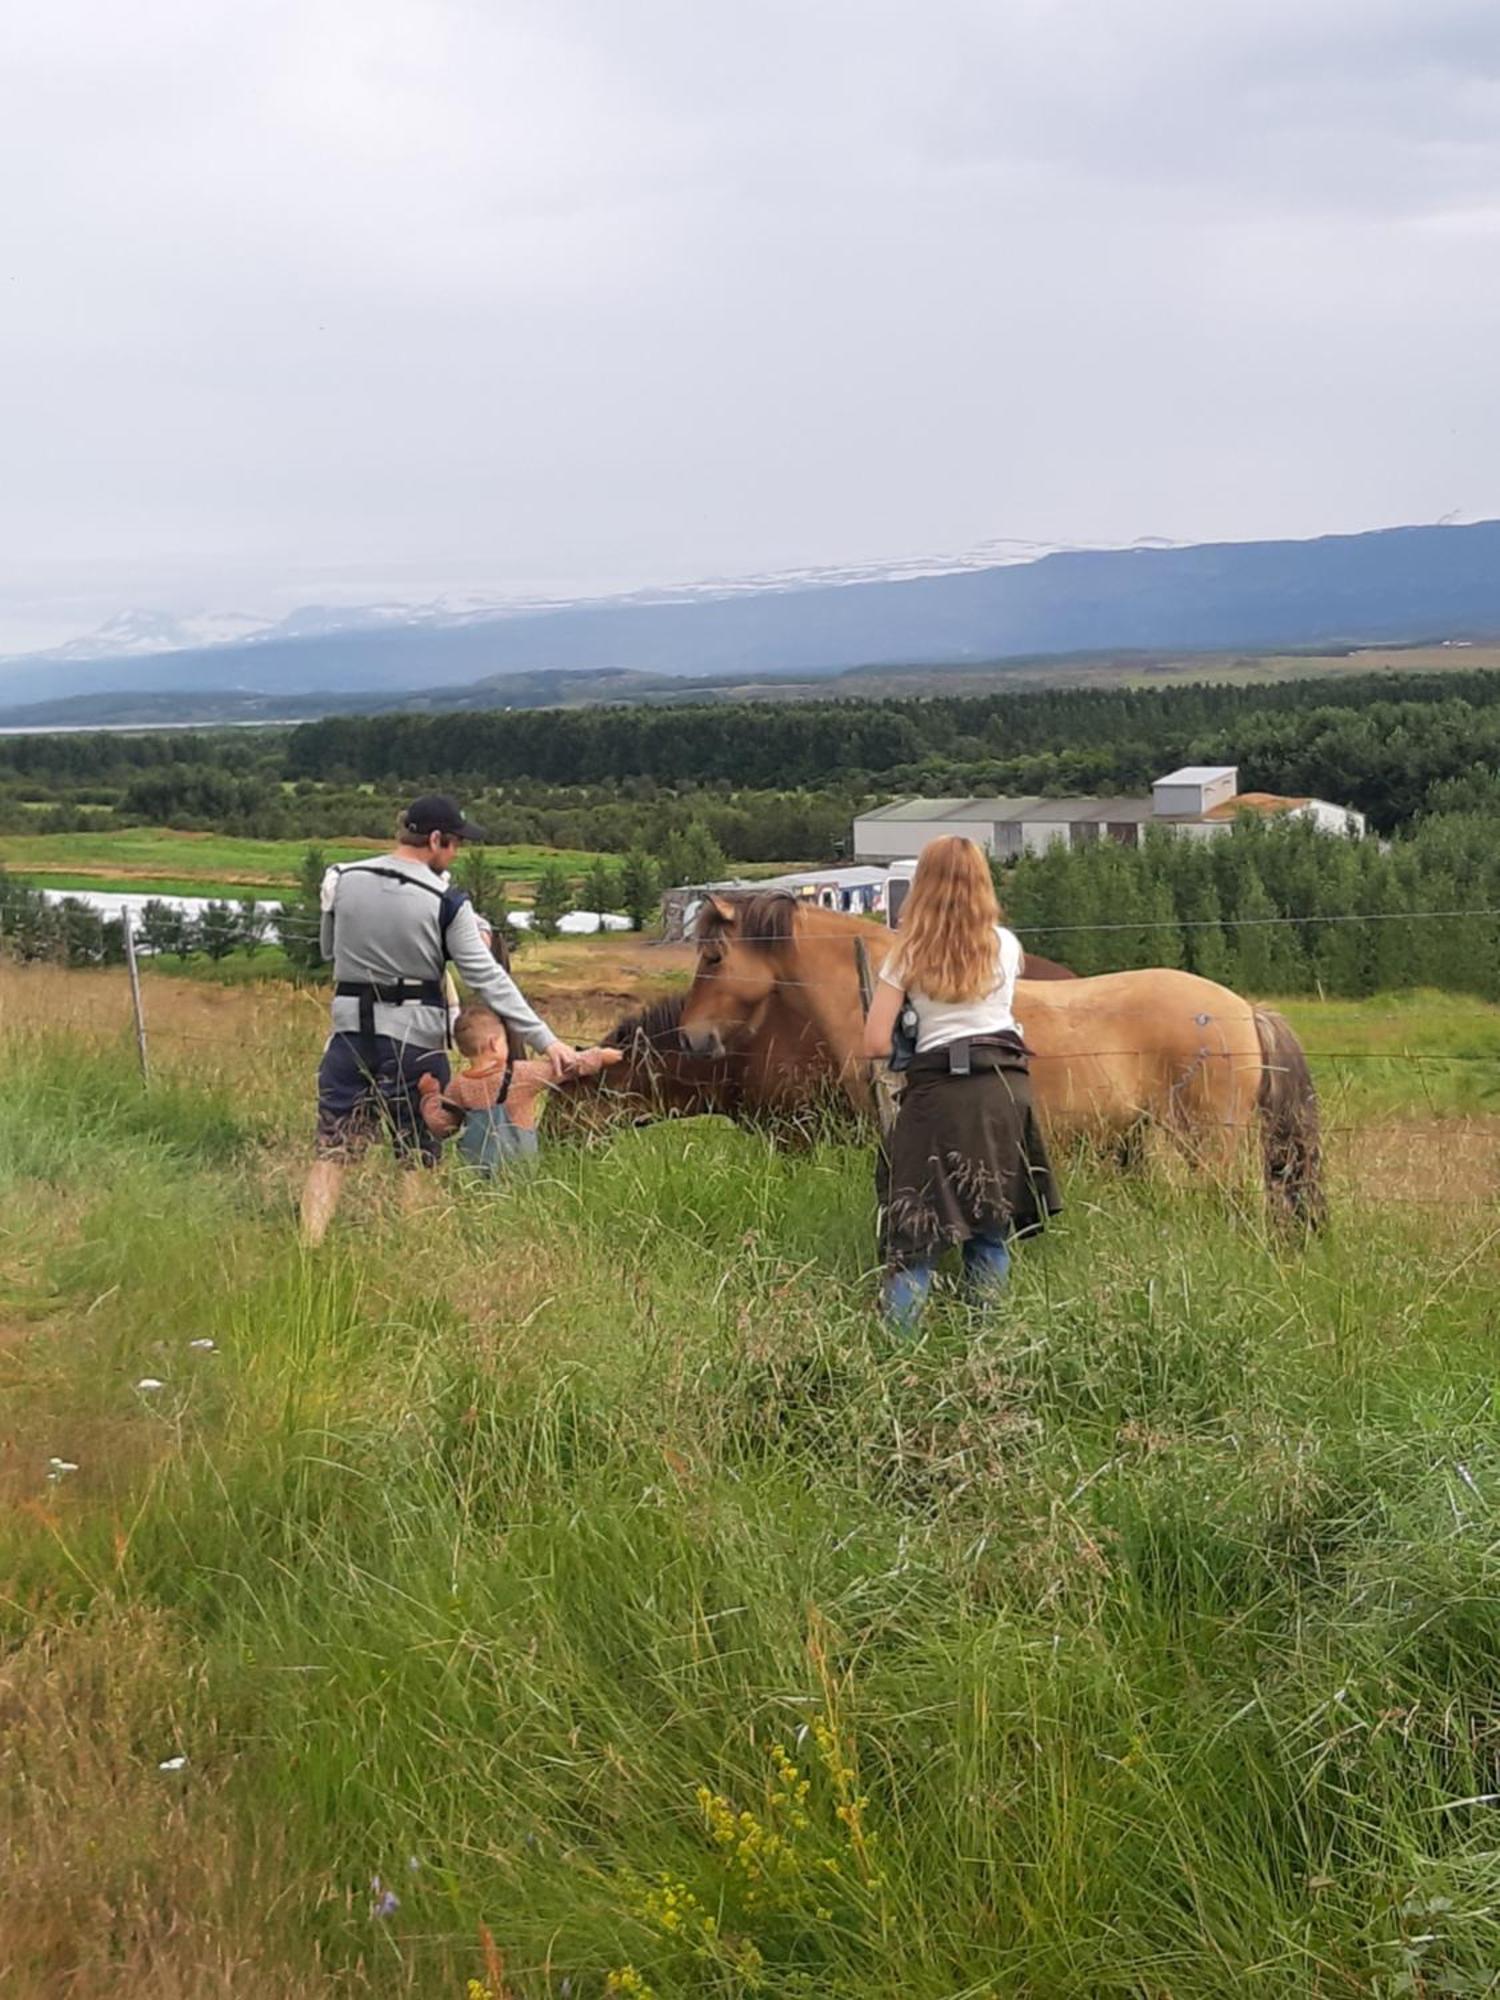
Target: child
x=494 y=1103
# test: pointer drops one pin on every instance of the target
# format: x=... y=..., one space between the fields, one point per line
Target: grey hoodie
x=377 y=930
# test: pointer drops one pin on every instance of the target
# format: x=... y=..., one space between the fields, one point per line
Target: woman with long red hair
x=965 y=1163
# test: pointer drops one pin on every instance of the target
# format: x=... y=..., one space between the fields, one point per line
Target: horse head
x=740 y=941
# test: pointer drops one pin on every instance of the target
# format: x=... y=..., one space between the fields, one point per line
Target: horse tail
x=1291 y=1139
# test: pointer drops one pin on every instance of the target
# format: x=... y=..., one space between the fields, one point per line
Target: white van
x=897 y=883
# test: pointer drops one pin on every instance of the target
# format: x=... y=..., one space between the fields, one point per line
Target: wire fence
x=302 y=929
x=126 y=939
x=1378 y=1165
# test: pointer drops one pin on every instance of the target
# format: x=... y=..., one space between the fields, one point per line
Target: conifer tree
x=1384 y=940
x=552 y=900
x=161 y=927
x=640 y=887
x=601 y=887
x=477 y=874
x=692 y=856
x=252 y=923
x=1162 y=939
x=218 y=930
x=1208 y=952
x=1255 y=960
x=301 y=915
x=1337 y=955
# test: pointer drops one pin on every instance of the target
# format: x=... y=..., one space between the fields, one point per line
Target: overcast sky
x=326 y=300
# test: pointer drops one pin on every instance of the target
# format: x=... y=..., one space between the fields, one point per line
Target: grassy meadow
x=570 y=1590
x=161 y=861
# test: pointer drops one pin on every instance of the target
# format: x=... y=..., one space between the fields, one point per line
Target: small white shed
x=1194 y=790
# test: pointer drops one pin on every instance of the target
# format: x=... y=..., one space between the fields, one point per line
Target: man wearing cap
x=391 y=925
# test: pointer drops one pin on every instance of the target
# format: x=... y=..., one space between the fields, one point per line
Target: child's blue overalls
x=490 y=1142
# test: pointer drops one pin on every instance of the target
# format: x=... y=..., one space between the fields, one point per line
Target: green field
x=157 y=861
x=584 y=1561
x=162 y=862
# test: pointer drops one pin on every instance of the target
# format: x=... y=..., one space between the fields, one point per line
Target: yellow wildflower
x=625 y=1979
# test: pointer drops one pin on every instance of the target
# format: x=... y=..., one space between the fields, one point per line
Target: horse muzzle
x=702 y=1041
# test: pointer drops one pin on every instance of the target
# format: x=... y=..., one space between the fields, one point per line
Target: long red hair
x=948 y=947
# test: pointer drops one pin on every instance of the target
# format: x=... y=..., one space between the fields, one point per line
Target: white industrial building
x=1200 y=800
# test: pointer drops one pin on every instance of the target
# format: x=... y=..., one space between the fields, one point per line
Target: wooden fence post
x=127 y=924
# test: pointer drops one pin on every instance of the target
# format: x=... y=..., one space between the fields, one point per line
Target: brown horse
x=1038 y=967
x=777 y=1076
x=1110 y=1055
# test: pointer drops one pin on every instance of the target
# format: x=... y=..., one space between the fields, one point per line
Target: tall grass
x=1140 y=1637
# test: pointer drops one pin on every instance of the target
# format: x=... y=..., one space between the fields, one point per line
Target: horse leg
x=1291 y=1134
x=1208 y=1110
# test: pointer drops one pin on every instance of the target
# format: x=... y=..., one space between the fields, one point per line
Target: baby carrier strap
x=450 y=899
x=427 y=992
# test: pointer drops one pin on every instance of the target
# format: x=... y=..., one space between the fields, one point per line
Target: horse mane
x=660 y=1019
x=764 y=918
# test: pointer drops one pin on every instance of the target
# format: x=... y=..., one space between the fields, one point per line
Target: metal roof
x=1199 y=774
x=1006 y=812
x=909 y=809
x=1074 y=812
x=863 y=876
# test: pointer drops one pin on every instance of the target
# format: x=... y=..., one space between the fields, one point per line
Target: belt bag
x=973 y=1053
x=402 y=993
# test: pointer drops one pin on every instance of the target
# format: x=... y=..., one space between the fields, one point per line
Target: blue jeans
x=986 y=1268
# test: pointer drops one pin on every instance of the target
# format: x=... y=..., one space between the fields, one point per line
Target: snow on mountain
x=144 y=633
x=141 y=633
x=137 y=634
x=1005 y=602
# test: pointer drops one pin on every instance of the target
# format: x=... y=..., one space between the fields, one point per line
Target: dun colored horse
x=781 y=982
x=781 y=1076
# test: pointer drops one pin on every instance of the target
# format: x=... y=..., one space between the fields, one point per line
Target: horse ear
x=724 y=911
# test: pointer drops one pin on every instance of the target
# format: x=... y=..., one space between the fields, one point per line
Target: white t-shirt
x=940 y=1021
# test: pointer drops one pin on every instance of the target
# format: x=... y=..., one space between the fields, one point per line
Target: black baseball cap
x=435 y=812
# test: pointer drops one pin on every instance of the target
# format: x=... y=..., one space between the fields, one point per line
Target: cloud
x=354 y=296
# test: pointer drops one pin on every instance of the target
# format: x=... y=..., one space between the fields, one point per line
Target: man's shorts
x=366 y=1087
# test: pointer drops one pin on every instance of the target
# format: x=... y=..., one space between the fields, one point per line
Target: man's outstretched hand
x=562 y=1060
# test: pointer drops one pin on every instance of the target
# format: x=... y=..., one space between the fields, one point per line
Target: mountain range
x=1390 y=585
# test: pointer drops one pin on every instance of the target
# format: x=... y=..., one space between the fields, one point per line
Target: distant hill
x=1391 y=585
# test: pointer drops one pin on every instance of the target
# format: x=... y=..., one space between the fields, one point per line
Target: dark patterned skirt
x=965 y=1158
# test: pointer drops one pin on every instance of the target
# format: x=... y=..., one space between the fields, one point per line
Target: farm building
x=859 y=891
x=1200 y=800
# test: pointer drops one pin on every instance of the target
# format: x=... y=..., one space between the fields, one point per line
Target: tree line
x=749 y=826
x=1275 y=907
x=1266 y=908
x=70 y=931
x=763 y=781
x=1375 y=742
